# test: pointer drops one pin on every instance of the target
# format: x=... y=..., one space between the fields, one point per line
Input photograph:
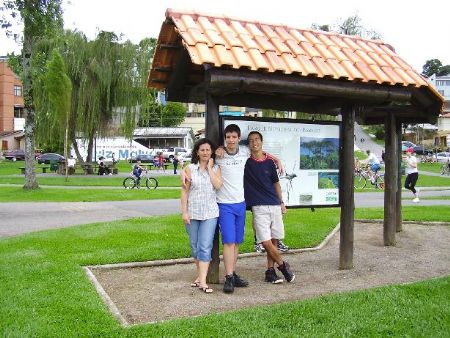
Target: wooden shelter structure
x=220 y=60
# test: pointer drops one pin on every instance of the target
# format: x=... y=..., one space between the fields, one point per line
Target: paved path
x=23 y=217
x=365 y=142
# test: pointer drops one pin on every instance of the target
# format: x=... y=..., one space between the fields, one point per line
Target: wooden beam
x=281 y=102
x=163 y=69
x=248 y=82
x=398 y=199
x=346 y=188
x=390 y=180
x=213 y=133
x=169 y=46
x=179 y=75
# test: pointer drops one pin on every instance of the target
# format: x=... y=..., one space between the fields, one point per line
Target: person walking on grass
x=263 y=194
x=412 y=174
x=199 y=207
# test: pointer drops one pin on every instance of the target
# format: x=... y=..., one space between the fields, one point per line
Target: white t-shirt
x=373 y=159
x=232 y=167
x=411 y=165
x=71 y=162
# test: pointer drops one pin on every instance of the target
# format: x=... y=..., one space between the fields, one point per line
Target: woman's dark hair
x=197 y=147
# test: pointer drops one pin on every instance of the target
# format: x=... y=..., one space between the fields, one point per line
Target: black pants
x=411 y=181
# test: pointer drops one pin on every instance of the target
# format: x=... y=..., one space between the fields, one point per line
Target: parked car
x=443 y=157
x=406 y=145
x=14 y=155
x=187 y=157
x=145 y=158
x=50 y=157
x=420 y=150
x=170 y=153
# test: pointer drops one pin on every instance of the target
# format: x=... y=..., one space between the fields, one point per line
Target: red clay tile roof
x=240 y=44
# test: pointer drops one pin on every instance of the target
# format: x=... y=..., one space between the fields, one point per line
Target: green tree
x=41 y=20
x=431 y=67
x=53 y=98
x=153 y=114
x=15 y=63
x=435 y=66
x=352 y=25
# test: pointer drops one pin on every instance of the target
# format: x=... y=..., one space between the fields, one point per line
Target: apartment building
x=12 y=118
x=442 y=84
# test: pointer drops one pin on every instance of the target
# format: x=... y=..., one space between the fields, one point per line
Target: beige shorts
x=268 y=222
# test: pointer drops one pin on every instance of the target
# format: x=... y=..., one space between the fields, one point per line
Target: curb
x=191 y=260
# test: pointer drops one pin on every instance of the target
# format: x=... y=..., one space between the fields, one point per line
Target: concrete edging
x=191 y=260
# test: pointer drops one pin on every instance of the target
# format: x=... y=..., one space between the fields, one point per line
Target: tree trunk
x=66 y=147
x=77 y=151
x=30 y=124
x=90 y=148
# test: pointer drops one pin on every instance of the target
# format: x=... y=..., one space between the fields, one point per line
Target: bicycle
x=362 y=176
x=132 y=181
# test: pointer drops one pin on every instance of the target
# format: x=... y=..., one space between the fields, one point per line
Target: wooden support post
x=346 y=188
x=398 y=213
x=390 y=181
x=212 y=132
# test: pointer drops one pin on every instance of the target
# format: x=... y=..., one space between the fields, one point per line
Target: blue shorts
x=232 y=222
x=375 y=167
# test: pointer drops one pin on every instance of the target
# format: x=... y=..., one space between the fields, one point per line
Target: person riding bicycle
x=374 y=165
x=137 y=171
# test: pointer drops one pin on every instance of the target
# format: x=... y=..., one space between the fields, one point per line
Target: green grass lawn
x=90 y=180
x=430 y=167
x=17 y=194
x=409 y=213
x=45 y=293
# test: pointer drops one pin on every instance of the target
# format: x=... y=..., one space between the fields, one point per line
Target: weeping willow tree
x=109 y=80
x=52 y=101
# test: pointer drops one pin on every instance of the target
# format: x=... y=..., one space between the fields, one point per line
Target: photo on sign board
x=319 y=153
x=328 y=180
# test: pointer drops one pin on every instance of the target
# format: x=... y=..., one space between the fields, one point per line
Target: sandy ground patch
x=151 y=294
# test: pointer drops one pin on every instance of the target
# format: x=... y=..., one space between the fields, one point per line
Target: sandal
x=195 y=284
x=205 y=289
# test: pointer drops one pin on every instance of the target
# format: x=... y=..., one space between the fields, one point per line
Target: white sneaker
x=416 y=200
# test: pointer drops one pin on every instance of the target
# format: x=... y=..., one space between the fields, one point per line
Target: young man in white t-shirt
x=231 y=201
x=232 y=207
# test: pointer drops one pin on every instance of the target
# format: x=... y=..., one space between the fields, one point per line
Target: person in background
x=374 y=165
x=412 y=174
x=71 y=163
x=263 y=194
x=137 y=171
x=199 y=207
x=102 y=167
x=175 y=162
x=114 y=161
x=161 y=161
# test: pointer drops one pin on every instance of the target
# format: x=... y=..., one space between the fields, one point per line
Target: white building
x=442 y=84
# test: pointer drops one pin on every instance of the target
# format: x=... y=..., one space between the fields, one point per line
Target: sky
x=419 y=31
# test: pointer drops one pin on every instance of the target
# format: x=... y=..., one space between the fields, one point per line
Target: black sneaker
x=272 y=277
x=238 y=281
x=228 y=286
x=286 y=271
x=282 y=247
